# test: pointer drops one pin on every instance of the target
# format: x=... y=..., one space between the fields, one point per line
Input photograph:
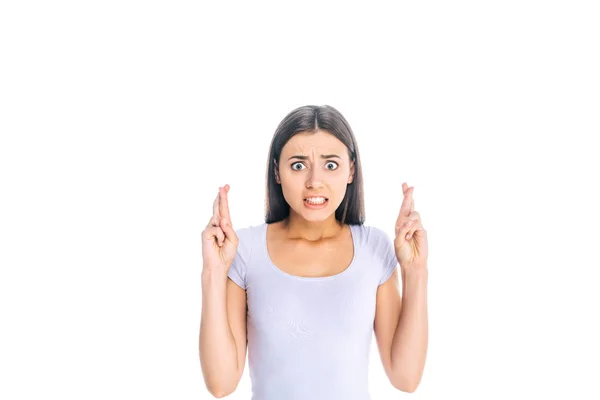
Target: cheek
x=341 y=187
x=291 y=190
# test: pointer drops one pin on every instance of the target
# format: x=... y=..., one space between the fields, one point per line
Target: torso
x=300 y=258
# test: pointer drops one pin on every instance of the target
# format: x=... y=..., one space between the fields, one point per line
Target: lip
x=316 y=195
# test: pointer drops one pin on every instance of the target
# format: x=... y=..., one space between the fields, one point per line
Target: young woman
x=306 y=289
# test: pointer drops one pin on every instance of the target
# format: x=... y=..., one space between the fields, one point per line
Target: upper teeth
x=316 y=199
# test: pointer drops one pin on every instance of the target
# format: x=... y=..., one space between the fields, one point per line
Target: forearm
x=218 y=354
x=409 y=346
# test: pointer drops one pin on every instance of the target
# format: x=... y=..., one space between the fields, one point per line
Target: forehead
x=321 y=142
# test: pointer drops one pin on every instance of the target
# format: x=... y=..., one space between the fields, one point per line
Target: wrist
x=414 y=269
x=212 y=274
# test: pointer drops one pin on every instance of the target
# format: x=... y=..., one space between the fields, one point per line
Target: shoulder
x=248 y=236
x=249 y=230
x=378 y=249
x=371 y=236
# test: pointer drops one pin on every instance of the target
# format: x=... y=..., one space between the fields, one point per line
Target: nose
x=314 y=179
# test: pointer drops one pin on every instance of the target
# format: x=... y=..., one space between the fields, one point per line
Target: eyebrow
x=322 y=156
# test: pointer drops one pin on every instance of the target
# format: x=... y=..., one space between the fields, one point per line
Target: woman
x=307 y=289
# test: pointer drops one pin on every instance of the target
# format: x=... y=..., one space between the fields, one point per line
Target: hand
x=219 y=240
x=410 y=243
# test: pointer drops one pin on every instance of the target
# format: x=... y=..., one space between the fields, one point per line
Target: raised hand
x=410 y=243
x=219 y=240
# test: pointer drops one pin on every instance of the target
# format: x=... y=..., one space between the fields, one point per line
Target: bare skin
x=314 y=176
x=299 y=257
x=310 y=239
x=293 y=245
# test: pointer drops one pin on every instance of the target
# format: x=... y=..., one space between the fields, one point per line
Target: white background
x=119 y=120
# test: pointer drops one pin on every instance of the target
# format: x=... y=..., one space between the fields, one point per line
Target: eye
x=296 y=163
x=331 y=162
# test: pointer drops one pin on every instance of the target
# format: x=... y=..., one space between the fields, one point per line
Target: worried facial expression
x=314 y=165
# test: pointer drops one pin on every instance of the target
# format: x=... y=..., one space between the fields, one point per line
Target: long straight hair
x=311 y=119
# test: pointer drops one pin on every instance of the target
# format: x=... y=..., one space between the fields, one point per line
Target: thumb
x=400 y=241
x=401 y=238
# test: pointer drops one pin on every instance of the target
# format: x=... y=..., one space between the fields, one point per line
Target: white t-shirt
x=310 y=337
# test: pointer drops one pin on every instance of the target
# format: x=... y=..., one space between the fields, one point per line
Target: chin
x=315 y=218
x=316 y=215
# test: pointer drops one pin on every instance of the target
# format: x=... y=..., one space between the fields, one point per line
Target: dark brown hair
x=310 y=119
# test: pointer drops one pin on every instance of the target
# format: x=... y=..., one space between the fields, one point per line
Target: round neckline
x=311 y=278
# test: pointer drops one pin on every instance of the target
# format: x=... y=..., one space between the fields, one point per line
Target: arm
x=409 y=344
x=223 y=322
x=222 y=333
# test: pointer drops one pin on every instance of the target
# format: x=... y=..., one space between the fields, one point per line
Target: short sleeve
x=237 y=270
x=389 y=262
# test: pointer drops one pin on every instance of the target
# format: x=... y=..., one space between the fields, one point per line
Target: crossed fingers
x=220 y=207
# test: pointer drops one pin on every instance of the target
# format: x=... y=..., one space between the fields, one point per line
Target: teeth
x=316 y=200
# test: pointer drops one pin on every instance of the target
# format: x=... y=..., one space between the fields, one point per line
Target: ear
x=277 y=179
x=351 y=177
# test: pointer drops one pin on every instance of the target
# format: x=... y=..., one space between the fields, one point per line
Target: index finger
x=223 y=203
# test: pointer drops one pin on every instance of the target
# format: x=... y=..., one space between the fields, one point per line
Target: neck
x=299 y=228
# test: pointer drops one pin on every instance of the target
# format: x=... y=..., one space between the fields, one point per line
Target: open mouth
x=317 y=203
